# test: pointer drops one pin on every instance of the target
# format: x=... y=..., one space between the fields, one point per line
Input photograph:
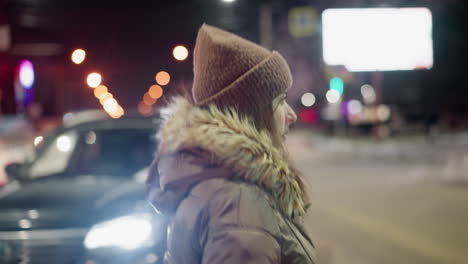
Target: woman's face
x=283 y=114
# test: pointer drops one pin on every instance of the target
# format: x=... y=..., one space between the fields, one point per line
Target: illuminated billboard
x=378 y=39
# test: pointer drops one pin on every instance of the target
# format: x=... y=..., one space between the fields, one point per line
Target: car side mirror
x=14 y=170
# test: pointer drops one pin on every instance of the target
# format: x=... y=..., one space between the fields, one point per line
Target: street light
x=228 y=1
x=180 y=53
x=94 y=79
x=78 y=56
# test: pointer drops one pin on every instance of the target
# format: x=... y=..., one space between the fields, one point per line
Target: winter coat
x=232 y=197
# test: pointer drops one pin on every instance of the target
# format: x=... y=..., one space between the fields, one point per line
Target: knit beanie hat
x=232 y=71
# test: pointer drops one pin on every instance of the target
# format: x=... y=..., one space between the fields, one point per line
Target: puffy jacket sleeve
x=239 y=245
x=240 y=228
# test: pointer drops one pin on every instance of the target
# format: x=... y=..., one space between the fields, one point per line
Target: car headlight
x=127 y=232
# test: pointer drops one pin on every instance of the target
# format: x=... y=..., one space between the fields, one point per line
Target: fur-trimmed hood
x=197 y=143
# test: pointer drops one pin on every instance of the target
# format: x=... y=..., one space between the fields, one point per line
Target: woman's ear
x=276 y=102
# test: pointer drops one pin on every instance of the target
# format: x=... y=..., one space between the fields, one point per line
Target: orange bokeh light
x=148 y=100
x=155 y=91
x=104 y=97
x=163 y=78
x=110 y=105
x=114 y=116
x=145 y=109
x=118 y=113
x=100 y=91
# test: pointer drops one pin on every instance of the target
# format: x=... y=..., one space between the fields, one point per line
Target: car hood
x=78 y=201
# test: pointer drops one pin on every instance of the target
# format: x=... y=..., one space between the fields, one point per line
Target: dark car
x=80 y=198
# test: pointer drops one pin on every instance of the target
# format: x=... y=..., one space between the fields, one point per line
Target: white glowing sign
x=378 y=39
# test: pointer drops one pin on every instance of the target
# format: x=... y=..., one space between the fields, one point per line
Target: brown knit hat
x=232 y=71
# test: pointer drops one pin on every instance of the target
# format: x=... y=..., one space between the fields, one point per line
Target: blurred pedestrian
x=222 y=171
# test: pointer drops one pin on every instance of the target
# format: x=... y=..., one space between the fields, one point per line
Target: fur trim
x=237 y=144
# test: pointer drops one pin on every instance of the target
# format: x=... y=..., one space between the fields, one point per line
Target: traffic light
x=336 y=83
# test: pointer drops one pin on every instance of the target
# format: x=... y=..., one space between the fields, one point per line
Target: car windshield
x=116 y=152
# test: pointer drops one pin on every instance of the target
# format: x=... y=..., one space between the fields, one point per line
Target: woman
x=222 y=172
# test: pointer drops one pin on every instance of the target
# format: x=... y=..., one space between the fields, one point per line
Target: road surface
x=402 y=206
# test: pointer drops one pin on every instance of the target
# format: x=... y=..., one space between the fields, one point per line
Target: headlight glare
x=127 y=232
